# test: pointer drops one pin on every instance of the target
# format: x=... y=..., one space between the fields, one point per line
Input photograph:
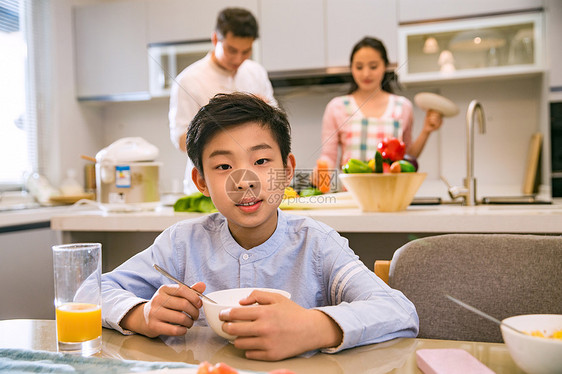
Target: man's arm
x=183 y=107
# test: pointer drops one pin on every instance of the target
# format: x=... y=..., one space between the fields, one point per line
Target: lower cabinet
x=26 y=279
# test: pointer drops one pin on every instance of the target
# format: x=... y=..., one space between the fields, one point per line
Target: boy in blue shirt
x=241 y=149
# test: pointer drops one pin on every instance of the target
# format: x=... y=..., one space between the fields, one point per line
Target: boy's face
x=245 y=177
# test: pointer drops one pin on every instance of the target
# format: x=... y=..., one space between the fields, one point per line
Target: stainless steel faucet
x=468 y=191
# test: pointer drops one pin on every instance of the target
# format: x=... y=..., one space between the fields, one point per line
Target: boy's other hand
x=171 y=311
x=278 y=328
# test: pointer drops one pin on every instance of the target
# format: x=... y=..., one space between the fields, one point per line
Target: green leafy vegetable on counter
x=196 y=202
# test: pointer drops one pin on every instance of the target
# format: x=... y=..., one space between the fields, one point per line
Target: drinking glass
x=77 y=270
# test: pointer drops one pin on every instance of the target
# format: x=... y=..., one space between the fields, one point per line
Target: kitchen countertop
x=30 y=216
x=541 y=219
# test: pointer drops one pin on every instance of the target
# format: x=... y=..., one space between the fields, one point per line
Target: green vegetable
x=406 y=167
x=196 y=202
x=354 y=166
x=378 y=162
x=311 y=191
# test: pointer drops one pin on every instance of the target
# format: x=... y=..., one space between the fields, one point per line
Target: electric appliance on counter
x=127 y=177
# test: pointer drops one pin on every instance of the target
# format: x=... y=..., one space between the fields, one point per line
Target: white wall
x=78 y=128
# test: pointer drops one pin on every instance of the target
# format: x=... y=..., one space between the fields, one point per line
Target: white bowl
x=227 y=299
x=534 y=355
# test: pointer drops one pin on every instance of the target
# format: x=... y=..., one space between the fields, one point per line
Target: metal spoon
x=482 y=314
x=171 y=277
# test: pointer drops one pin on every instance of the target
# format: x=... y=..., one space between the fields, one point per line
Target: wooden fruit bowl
x=383 y=192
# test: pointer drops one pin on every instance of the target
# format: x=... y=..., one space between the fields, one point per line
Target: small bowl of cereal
x=229 y=298
x=539 y=350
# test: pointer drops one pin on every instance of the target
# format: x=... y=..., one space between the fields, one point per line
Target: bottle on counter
x=70 y=186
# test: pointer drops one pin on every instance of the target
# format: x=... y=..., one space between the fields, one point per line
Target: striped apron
x=366 y=133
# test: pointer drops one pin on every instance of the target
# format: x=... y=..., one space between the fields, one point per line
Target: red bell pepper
x=392 y=149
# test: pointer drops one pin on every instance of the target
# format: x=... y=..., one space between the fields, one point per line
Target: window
x=23 y=109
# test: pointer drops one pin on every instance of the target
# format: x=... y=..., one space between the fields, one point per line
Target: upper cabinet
x=348 y=21
x=554 y=42
x=416 y=10
x=481 y=47
x=110 y=47
x=187 y=20
x=292 y=34
x=298 y=35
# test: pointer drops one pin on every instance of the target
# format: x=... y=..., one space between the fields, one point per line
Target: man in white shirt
x=223 y=70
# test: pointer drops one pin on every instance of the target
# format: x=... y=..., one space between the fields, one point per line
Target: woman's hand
x=433 y=121
x=278 y=328
x=171 y=311
x=320 y=176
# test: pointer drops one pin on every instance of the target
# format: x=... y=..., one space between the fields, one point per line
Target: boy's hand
x=171 y=311
x=278 y=328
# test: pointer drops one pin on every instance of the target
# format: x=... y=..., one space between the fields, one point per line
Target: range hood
x=315 y=77
x=310 y=77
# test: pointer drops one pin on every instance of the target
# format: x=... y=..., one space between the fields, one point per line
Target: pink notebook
x=449 y=361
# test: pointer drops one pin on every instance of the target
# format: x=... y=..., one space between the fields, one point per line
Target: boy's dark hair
x=390 y=78
x=238 y=21
x=226 y=110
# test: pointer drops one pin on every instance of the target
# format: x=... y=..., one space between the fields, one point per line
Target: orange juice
x=78 y=322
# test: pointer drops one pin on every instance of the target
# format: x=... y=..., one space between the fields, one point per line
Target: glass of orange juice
x=77 y=270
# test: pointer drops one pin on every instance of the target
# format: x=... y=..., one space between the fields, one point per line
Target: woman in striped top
x=358 y=121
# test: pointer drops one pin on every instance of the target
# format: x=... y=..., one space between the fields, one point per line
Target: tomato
x=222 y=368
x=204 y=368
x=385 y=167
x=395 y=167
x=392 y=149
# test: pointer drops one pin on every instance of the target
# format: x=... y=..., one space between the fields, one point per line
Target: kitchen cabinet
x=486 y=47
x=123 y=235
x=110 y=46
x=348 y=21
x=187 y=20
x=292 y=34
x=554 y=34
x=299 y=35
x=420 y=10
x=27 y=273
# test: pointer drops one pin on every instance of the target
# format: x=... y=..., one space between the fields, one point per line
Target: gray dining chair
x=501 y=274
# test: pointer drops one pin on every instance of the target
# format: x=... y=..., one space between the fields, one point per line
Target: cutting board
x=531 y=169
x=339 y=200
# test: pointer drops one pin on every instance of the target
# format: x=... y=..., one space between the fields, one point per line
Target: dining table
x=201 y=344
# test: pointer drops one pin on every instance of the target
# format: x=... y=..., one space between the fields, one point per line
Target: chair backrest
x=501 y=274
x=382 y=269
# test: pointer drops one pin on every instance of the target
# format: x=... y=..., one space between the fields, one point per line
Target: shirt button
x=245 y=256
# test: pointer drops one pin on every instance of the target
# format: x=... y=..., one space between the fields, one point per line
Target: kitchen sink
x=16 y=200
x=524 y=199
